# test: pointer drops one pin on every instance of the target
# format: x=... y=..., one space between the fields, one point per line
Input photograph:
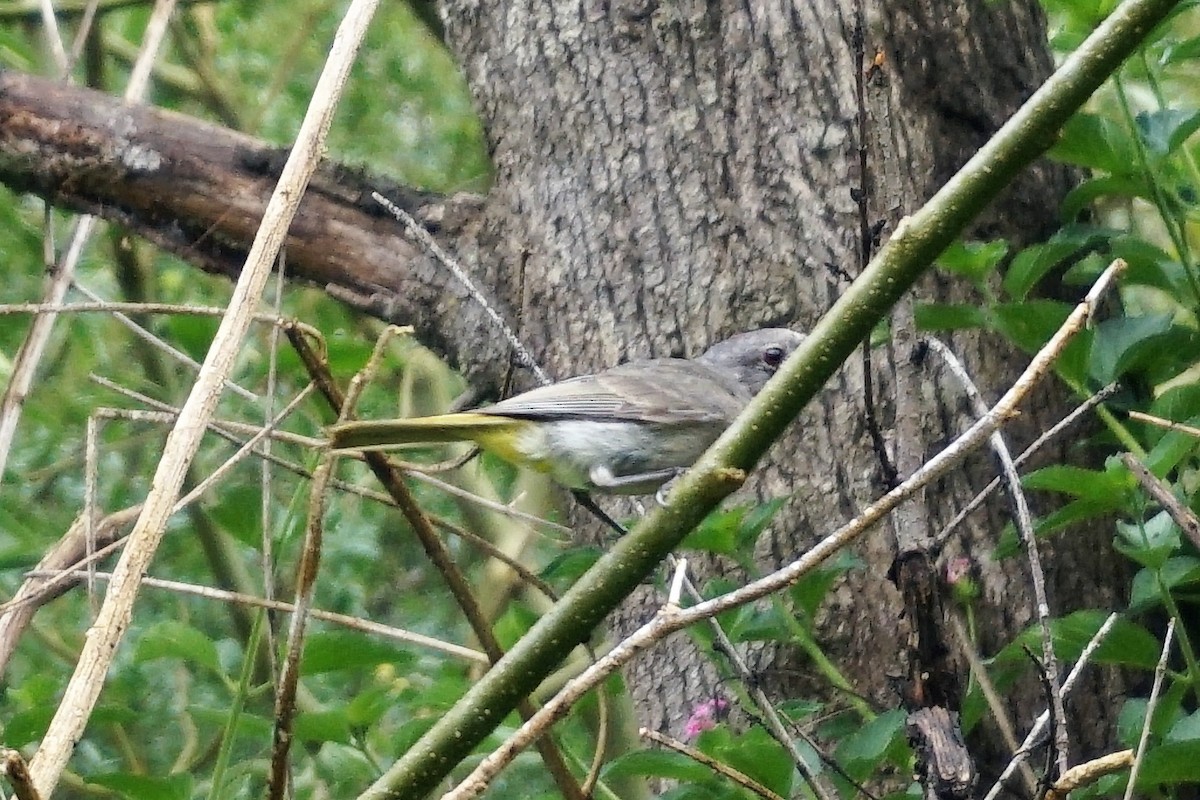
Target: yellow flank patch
x=507 y=442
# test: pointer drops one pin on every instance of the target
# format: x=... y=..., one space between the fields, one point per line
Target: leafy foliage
x=186 y=712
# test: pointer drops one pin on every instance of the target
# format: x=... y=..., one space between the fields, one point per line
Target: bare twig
x=1037 y=444
x=17 y=772
x=417 y=231
x=1024 y=523
x=1039 y=725
x=1151 y=704
x=720 y=767
x=990 y=694
x=1183 y=516
x=344 y=620
x=669 y=620
x=100 y=646
x=30 y=355
x=54 y=38
x=158 y=343
x=306 y=582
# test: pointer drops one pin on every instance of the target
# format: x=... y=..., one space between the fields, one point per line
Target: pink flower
x=704 y=717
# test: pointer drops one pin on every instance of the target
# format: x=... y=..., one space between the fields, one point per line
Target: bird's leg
x=584 y=499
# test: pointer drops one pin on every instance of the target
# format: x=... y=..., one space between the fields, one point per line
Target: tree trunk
x=669 y=173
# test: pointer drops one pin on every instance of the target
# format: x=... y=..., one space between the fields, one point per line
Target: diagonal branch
x=199 y=191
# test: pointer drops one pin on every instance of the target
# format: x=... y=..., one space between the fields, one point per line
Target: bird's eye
x=773 y=357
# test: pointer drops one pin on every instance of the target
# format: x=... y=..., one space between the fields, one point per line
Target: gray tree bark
x=669 y=173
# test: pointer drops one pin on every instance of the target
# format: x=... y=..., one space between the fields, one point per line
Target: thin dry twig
x=1062 y=425
x=669 y=620
x=54 y=39
x=25 y=364
x=1039 y=726
x=418 y=232
x=1183 y=516
x=1159 y=672
x=306 y=582
x=160 y=344
x=1024 y=523
x=720 y=767
x=990 y=694
x=344 y=620
x=17 y=772
x=73 y=713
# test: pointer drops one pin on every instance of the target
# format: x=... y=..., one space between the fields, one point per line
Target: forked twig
x=1039 y=725
x=1024 y=523
x=1062 y=425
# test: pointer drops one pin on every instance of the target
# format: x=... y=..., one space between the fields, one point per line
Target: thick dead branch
x=198 y=190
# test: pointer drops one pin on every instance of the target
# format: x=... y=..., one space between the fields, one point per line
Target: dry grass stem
x=103 y=639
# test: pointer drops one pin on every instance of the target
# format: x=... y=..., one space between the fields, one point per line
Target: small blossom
x=704 y=717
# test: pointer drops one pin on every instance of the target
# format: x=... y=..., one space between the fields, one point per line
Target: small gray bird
x=626 y=430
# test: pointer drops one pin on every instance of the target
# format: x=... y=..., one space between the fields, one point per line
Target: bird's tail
x=376 y=434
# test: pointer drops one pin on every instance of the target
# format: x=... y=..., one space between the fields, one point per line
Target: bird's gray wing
x=663 y=390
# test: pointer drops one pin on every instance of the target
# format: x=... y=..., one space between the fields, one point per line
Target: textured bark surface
x=668 y=173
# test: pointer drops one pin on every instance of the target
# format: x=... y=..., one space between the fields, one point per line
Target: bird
x=625 y=430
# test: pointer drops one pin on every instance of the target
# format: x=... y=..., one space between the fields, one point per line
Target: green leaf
x=1087 y=484
x=756 y=520
x=973 y=260
x=1127 y=643
x=1164 y=131
x=1089 y=191
x=1118 y=343
x=1175 y=762
x=172 y=639
x=717 y=533
x=329 y=651
x=948 y=316
x=657 y=764
x=1030 y=324
x=323 y=726
x=757 y=754
x=1095 y=142
x=1185 y=729
x=1150 y=543
x=810 y=591
x=142 y=787
x=862 y=751
x=1176 y=572
x=565 y=569
x=753 y=623
x=1033 y=263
